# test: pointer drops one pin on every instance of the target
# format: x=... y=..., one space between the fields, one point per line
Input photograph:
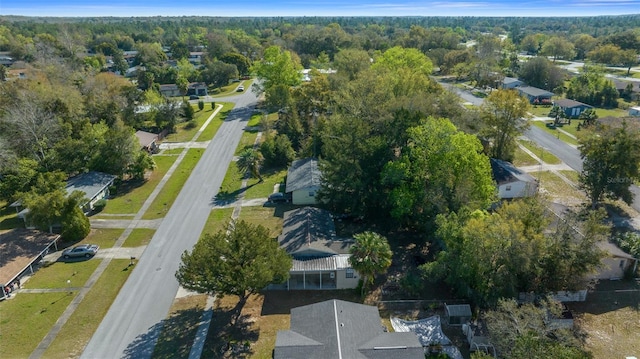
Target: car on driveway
x=82 y=250
x=194 y=97
x=278 y=197
x=240 y=88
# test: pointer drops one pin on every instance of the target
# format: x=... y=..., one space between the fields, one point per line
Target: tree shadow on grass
x=226 y=340
x=178 y=334
x=282 y=301
x=124 y=187
x=224 y=198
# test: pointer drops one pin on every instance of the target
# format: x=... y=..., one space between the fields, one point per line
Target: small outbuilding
x=512 y=182
x=511 y=83
x=148 y=141
x=458 y=314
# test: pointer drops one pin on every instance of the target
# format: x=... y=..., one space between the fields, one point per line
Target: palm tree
x=370 y=255
x=250 y=160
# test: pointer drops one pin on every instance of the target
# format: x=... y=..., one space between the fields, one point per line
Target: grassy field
x=540 y=111
x=215 y=124
x=264 y=216
x=246 y=141
x=180 y=328
x=129 y=198
x=27 y=318
x=571 y=175
x=554 y=132
x=522 y=158
x=84 y=321
x=139 y=237
x=544 y=155
x=172 y=187
x=230 y=188
x=57 y=274
x=614 y=112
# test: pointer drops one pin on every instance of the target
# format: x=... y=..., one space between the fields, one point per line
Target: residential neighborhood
x=311 y=187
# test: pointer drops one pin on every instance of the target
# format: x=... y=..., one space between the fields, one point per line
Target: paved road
x=132 y=325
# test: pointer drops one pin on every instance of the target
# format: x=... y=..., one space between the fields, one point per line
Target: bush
x=190 y=124
x=200 y=105
x=99 y=205
x=213 y=105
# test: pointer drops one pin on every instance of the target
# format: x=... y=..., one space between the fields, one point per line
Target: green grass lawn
x=139 y=237
x=614 y=112
x=540 y=111
x=543 y=154
x=263 y=190
x=104 y=237
x=184 y=134
x=215 y=124
x=230 y=188
x=129 y=201
x=84 y=321
x=554 y=132
x=218 y=218
x=172 y=187
x=522 y=158
x=57 y=274
x=27 y=318
x=9 y=217
x=246 y=141
x=265 y=216
x=172 y=151
x=556 y=187
x=571 y=175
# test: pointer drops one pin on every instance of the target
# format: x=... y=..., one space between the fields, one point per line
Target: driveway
x=134 y=321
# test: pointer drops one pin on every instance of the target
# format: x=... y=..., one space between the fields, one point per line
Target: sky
x=124 y=8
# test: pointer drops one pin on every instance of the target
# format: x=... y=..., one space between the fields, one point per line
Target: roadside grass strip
x=212 y=128
x=217 y=220
x=270 y=177
x=544 y=155
x=139 y=237
x=171 y=189
x=130 y=200
x=84 y=321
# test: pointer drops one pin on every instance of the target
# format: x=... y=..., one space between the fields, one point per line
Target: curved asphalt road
x=132 y=325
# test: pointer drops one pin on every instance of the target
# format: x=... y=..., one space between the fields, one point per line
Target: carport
x=21 y=249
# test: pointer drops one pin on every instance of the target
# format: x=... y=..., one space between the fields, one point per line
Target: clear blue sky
x=318 y=7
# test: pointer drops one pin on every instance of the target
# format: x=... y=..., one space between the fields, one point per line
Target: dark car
x=194 y=97
x=83 y=250
x=278 y=197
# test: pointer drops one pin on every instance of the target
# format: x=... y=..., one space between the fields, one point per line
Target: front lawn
x=185 y=131
x=56 y=275
x=211 y=129
x=246 y=141
x=218 y=218
x=131 y=196
x=84 y=321
x=162 y=203
x=230 y=188
x=522 y=158
x=557 y=188
x=104 y=237
x=139 y=237
x=264 y=216
x=27 y=318
x=544 y=155
x=270 y=178
x=180 y=328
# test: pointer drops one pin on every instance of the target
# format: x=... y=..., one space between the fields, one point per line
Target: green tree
x=179 y=50
x=628 y=58
x=187 y=110
x=441 y=170
x=277 y=151
x=278 y=71
x=200 y=105
x=143 y=163
x=46 y=200
x=540 y=72
x=558 y=47
x=584 y=43
x=607 y=54
x=250 y=161
x=611 y=160
x=183 y=85
x=219 y=73
x=504 y=114
x=75 y=225
x=370 y=255
x=350 y=62
x=119 y=150
x=18 y=175
x=240 y=260
x=243 y=64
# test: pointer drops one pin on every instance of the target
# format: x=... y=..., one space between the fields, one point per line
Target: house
x=198 y=89
x=303 y=181
x=340 y=329
x=634 y=111
x=458 y=314
x=512 y=182
x=616 y=262
x=147 y=141
x=571 y=108
x=170 y=90
x=195 y=57
x=535 y=95
x=21 y=250
x=511 y=83
x=320 y=259
x=627 y=89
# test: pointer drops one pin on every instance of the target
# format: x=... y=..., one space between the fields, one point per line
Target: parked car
x=194 y=97
x=278 y=197
x=82 y=250
x=240 y=88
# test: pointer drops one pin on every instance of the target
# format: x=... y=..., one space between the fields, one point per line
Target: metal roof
x=302 y=174
x=335 y=262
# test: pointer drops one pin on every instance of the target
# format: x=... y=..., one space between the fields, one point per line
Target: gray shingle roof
x=91 y=183
x=510 y=80
x=303 y=174
x=310 y=232
x=568 y=103
x=346 y=330
x=505 y=172
x=145 y=138
x=534 y=91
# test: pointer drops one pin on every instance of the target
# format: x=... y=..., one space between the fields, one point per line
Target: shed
x=458 y=314
x=303 y=181
x=147 y=141
x=511 y=83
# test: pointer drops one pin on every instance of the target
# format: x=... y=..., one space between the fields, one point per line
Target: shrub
x=190 y=124
x=213 y=105
x=99 y=205
x=200 y=105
